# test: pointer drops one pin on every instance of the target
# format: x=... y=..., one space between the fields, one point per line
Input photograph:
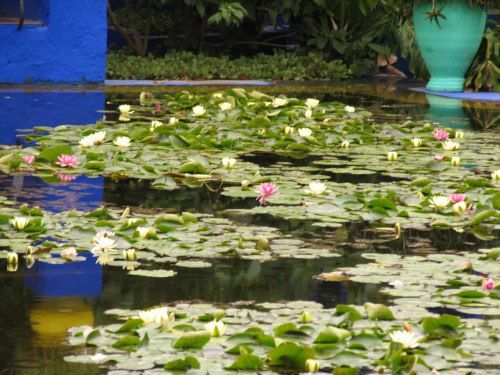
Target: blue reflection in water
x=70 y=279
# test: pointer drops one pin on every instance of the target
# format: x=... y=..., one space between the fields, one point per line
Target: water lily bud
x=312 y=365
x=308 y=114
x=228 y=162
x=306 y=317
x=12 y=267
x=30 y=261
x=262 y=243
x=146 y=232
x=407 y=327
x=345 y=144
x=455 y=161
x=416 y=142
x=126 y=212
x=459 y=134
x=392 y=156
x=262 y=131
x=397 y=228
x=130 y=255
x=421 y=197
x=459 y=207
x=12 y=258
x=289 y=130
x=216 y=329
x=30 y=250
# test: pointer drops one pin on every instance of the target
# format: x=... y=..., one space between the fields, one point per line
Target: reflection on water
x=38 y=305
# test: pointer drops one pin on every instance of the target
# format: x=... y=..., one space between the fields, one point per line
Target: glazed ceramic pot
x=448 y=48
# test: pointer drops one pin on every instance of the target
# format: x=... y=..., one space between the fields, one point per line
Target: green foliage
x=186 y=65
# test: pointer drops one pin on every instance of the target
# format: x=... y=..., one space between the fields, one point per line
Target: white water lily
x=455 y=161
x=98 y=137
x=103 y=259
x=69 y=253
x=495 y=176
x=155 y=124
x=199 y=110
x=226 y=106
x=459 y=207
x=173 y=120
x=312 y=365
x=146 y=232
x=439 y=201
x=19 y=222
x=350 y=109
x=289 y=130
x=157 y=315
x=124 y=109
x=12 y=258
x=98 y=357
x=217 y=95
x=407 y=339
x=312 y=103
x=316 y=188
x=216 y=328
x=459 y=134
x=450 y=145
x=122 y=141
x=87 y=141
x=308 y=114
x=279 y=102
x=416 y=142
x=304 y=132
x=345 y=144
x=392 y=156
x=228 y=162
x=103 y=244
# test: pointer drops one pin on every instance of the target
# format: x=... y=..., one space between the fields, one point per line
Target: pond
x=323 y=251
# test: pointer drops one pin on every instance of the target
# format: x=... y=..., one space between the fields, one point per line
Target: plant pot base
x=446 y=84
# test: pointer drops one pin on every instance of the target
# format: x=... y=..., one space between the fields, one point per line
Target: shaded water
x=39 y=304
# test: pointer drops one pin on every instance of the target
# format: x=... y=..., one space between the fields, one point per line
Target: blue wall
x=69 y=47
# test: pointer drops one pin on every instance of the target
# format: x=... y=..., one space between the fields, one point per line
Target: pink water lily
x=66 y=160
x=439 y=157
x=488 y=284
x=455 y=198
x=265 y=190
x=441 y=134
x=28 y=159
x=66 y=177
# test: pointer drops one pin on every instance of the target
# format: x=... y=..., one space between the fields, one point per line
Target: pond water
x=38 y=304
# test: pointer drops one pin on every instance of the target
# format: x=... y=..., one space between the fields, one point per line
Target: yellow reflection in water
x=50 y=319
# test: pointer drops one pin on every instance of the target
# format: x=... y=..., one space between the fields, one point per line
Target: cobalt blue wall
x=70 y=47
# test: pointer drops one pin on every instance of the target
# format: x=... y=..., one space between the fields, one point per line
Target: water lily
x=439 y=157
x=392 y=156
x=20 y=222
x=349 y=109
x=439 y=202
x=98 y=137
x=12 y=258
x=450 y=145
x=459 y=134
x=157 y=315
x=155 y=124
x=407 y=339
x=122 y=141
x=416 y=142
x=289 y=130
x=130 y=255
x=145 y=232
x=279 y=102
x=104 y=259
x=66 y=160
x=396 y=283
x=459 y=207
x=306 y=317
x=304 y=132
x=308 y=114
x=217 y=95
x=69 y=253
x=266 y=190
x=455 y=161
x=488 y=284
x=345 y=144
x=441 y=134
x=216 y=328
x=316 y=188
x=103 y=244
x=87 y=141
x=455 y=198
x=66 y=177
x=312 y=103
x=495 y=176
x=226 y=106
x=228 y=162
x=199 y=110
x=312 y=365
x=173 y=120
x=124 y=109
x=28 y=159
x=98 y=357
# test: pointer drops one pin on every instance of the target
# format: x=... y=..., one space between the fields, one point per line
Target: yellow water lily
x=312 y=365
x=455 y=161
x=345 y=144
x=416 y=142
x=392 y=156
